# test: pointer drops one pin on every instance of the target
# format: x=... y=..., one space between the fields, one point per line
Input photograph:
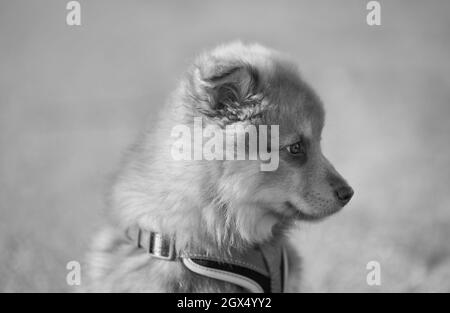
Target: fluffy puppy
x=218 y=204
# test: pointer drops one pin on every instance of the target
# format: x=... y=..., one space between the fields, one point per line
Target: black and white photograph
x=222 y=147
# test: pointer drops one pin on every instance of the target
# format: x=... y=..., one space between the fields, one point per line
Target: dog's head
x=251 y=85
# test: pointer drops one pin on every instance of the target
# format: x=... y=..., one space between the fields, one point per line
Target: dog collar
x=260 y=269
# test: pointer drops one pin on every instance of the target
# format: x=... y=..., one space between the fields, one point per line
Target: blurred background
x=73 y=98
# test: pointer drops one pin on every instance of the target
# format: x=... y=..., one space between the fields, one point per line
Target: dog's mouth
x=298 y=214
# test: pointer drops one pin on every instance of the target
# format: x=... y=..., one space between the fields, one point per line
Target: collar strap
x=261 y=269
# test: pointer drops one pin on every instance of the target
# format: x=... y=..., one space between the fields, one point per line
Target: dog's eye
x=296 y=148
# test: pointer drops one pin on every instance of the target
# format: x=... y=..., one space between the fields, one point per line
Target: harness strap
x=241 y=276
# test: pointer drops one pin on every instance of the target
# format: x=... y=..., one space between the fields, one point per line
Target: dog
x=219 y=225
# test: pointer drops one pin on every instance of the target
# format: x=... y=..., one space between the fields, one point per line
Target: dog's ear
x=225 y=89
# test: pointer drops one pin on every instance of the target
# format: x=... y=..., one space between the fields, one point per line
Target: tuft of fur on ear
x=227 y=91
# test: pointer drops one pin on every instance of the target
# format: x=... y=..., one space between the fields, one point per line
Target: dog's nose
x=344 y=194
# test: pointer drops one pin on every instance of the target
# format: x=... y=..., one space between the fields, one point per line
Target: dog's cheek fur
x=277 y=187
x=255 y=199
x=245 y=221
